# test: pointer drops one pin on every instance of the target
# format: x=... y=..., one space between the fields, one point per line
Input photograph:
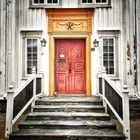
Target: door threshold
x=70 y=95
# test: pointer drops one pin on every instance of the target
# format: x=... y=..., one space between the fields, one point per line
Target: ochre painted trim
x=69 y=20
x=69 y=24
x=52 y=59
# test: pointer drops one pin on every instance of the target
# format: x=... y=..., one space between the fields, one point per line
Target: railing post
x=34 y=85
x=126 y=115
x=103 y=88
x=9 y=111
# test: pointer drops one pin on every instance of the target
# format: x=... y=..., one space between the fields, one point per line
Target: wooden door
x=70 y=70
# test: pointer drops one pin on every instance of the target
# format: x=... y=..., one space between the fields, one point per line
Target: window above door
x=45 y=2
x=61 y=3
x=94 y=1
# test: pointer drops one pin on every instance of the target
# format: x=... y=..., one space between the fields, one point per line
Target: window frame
x=25 y=55
x=114 y=52
x=102 y=2
x=117 y=40
x=45 y=3
x=88 y=3
x=52 y=3
x=94 y=2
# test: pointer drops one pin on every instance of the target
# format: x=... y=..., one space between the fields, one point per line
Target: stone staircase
x=67 y=118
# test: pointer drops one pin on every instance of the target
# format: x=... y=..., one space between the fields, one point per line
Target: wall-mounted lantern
x=96 y=43
x=43 y=42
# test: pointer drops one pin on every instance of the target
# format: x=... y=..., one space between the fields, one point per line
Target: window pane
x=104 y=1
x=111 y=71
x=105 y=42
x=29 y=49
x=108 y=54
x=84 y=1
x=35 y=1
x=111 y=56
x=34 y=49
x=34 y=42
x=31 y=54
x=107 y=70
x=98 y=1
x=89 y=1
x=29 y=63
x=55 y=1
x=106 y=63
x=34 y=63
x=101 y=1
x=106 y=49
x=41 y=1
x=111 y=49
x=29 y=42
x=111 y=42
x=105 y=56
x=111 y=63
x=29 y=70
x=49 y=1
x=34 y=56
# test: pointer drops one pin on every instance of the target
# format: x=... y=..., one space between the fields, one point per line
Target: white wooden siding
x=2 y=46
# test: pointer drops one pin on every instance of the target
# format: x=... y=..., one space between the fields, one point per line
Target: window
x=38 y=1
x=108 y=55
x=45 y=1
x=31 y=55
x=52 y=1
x=101 y=1
x=94 y=1
x=87 y=1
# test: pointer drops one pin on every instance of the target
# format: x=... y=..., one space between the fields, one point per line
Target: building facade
x=70 y=61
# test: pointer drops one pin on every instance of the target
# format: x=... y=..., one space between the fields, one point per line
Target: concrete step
x=70 y=95
x=69 y=101
x=67 y=116
x=66 y=134
x=84 y=124
x=68 y=108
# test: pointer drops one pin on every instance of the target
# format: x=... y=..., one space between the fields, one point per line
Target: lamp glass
x=43 y=42
x=96 y=43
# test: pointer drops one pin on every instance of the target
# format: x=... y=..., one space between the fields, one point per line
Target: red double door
x=70 y=68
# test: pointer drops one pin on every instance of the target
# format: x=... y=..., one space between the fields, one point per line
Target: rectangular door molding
x=70 y=67
x=70 y=64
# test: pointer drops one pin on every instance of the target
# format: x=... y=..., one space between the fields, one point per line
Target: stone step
x=68 y=108
x=66 y=134
x=67 y=116
x=70 y=95
x=67 y=124
x=69 y=101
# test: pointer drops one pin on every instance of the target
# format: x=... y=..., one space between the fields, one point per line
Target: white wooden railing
x=16 y=105
x=116 y=100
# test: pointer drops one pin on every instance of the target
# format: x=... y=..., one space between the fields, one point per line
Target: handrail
x=112 y=84
x=17 y=91
x=137 y=95
x=123 y=98
x=11 y=95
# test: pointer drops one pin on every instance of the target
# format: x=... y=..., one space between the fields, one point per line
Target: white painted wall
x=2 y=47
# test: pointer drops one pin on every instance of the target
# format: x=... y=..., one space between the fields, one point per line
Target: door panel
x=70 y=66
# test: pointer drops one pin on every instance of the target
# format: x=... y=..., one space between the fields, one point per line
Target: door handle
x=70 y=69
